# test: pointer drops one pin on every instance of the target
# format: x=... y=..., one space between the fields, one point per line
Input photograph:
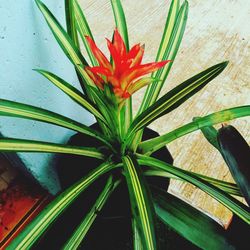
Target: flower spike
x=126 y=70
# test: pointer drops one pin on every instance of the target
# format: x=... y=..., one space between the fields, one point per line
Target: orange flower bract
x=125 y=72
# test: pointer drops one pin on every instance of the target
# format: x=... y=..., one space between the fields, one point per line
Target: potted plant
x=121 y=146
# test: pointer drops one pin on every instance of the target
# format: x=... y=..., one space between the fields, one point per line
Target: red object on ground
x=19 y=203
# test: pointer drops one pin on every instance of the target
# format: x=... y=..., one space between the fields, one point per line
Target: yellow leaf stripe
x=228 y=187
x=58 y=32
x=79 y=234
x=72 y=92
x=170 y=42
x=171 y=39
x=170 y=53
x=70 y=22
x=64 y=40
x=132 y=176
x=171 y=20
x=162 y=105
x=150 y=146
x=120 y=20
x=83 y=29
x=10 y=108
x=19 y=145
x=33 y=231
x=228 y=201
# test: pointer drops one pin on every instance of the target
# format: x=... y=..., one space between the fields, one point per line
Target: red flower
x=125 y=71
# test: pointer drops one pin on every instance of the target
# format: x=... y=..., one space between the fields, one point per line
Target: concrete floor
x=216 y=31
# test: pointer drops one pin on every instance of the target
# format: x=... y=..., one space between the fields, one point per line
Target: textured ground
x=216 y=31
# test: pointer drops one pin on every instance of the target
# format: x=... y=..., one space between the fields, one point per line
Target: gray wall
x=26 y=43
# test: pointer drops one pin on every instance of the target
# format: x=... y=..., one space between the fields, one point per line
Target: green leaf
x=141 y=208
x=19 y=145
x=236 y=153
x=176 y=97
x=72 y=31
x=149 y=146
x=169 y=32
x=61 y=36
x=189 y=222
x=44 y=219
x=170 y=43
x=70 y=22
x=66 y=43
x=80 y=232
x=210 y=133
x=73 y=93
x=105 y=108
x=79 y=98
x=15 y=109
x=136 y=237
x=231 y=203
x=84 y=30
x=120 y=20
x=228 y=187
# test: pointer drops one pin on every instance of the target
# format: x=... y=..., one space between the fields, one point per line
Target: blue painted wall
x=26 y=43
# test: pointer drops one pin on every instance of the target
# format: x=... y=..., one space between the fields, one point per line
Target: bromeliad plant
x=107 y=88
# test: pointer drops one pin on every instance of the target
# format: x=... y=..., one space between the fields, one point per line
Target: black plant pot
x=239 y=233
x=112 y=227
